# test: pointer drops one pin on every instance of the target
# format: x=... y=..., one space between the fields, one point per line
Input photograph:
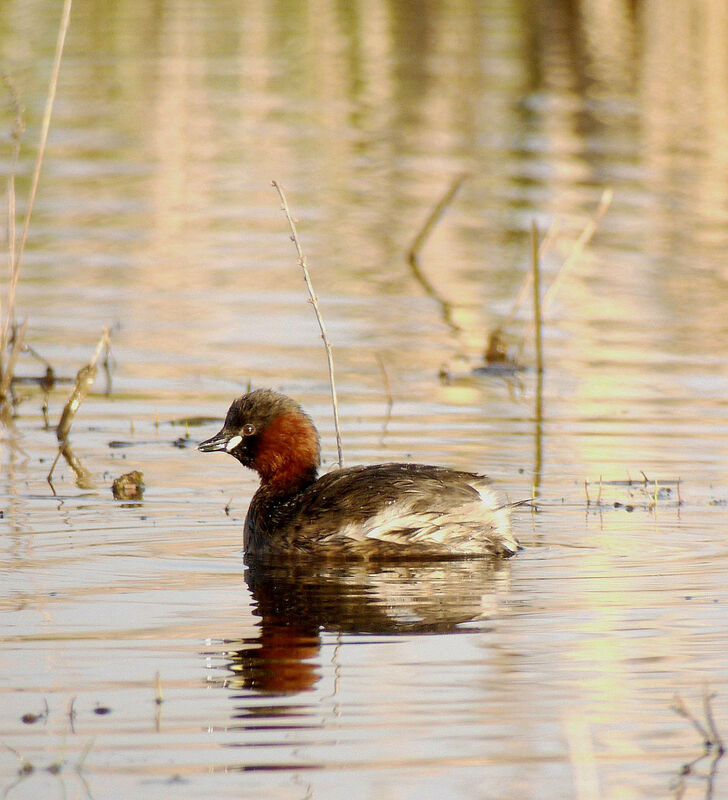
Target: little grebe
x=379 y=511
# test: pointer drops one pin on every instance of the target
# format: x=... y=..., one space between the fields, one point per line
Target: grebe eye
x=248 y=429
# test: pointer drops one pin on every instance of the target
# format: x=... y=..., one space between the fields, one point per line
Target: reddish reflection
x=298 y=602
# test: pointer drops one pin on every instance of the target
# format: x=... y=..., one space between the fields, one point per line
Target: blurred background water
x=549 y=676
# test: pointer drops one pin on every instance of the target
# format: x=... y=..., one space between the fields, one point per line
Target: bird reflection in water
x=299 y=602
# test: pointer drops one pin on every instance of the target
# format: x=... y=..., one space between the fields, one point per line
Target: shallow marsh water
x=548 y=676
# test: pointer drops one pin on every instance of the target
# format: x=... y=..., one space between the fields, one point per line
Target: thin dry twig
x=578 y=248
x=319 y=318
x=385 y=380
x=434 y=217
x=45 y=126
x=546 y=243
x=387 y=392
x=571 y=260
x=5 y=322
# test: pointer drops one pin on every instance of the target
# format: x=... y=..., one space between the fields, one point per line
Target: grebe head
x=270 y=433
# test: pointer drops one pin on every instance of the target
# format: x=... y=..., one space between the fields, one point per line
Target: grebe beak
x=218 y=442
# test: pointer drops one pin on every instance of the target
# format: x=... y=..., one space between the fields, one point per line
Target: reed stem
x=537 y=319
x=319 y=317
x=45 y=127
x=16 y=249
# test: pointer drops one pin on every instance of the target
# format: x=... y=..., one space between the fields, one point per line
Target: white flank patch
x=233 y=442
x=463 y=528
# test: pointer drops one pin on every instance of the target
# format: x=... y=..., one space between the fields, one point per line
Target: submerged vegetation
x=13 y=332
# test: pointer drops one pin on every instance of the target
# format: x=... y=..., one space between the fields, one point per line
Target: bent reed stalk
x=434 y=217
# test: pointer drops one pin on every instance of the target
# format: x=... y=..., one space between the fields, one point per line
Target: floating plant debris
x=129 y=486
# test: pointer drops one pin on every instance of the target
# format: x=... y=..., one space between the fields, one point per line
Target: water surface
x=550 y=675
